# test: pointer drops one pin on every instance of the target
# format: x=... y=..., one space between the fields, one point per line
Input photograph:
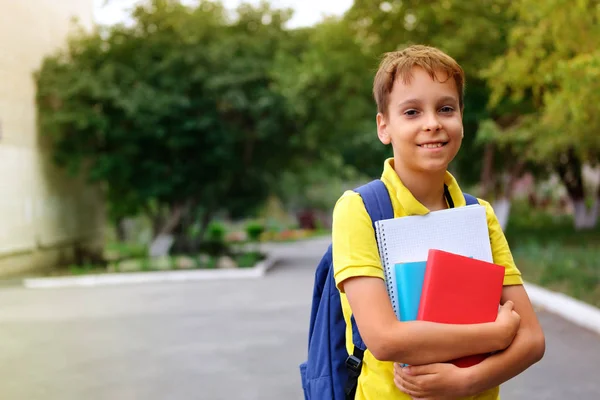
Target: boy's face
x=423 y=122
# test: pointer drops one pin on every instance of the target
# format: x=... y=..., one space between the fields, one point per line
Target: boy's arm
x=419 y=342
x=431 y=381
x=527 y=348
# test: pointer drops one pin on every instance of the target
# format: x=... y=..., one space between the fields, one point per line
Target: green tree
x=173 y=115
x=553 y=60
x=327 y=82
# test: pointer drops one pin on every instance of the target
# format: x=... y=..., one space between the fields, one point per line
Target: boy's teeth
x=432 y=145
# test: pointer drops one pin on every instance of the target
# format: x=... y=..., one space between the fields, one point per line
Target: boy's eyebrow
x=444 y=99
x=409 y=101
x=448 y=99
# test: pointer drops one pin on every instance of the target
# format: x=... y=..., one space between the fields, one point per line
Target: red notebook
x=460 y=290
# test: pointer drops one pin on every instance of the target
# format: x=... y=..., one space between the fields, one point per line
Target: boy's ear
x=382 y=133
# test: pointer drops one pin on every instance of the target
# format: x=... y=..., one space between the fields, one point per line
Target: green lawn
x=551 y=253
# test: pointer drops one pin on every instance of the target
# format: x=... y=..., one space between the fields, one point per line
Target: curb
x=258 y=271
x=566 y=307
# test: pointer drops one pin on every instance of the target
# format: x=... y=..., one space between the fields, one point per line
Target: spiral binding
x=383 y=254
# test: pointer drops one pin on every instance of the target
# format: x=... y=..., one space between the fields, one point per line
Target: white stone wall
x=42 y=211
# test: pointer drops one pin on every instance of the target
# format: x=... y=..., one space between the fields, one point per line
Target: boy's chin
x=434 y=168
x=434 y=165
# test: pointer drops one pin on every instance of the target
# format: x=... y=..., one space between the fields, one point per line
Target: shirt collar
x=404 y=202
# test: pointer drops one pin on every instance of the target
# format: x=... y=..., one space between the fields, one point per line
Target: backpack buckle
x=354 y=364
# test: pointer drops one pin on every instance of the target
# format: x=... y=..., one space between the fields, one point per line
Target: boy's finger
x=419 y=370
x=397 y=367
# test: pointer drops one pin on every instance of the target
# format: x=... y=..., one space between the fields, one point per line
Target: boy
x=419 y=95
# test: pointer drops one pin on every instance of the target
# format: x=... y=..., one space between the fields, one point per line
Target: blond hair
x=399 y=64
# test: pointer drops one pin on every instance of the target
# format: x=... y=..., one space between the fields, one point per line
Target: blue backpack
x=330 y=373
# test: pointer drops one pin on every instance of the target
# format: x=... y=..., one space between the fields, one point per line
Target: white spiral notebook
x=461 y=230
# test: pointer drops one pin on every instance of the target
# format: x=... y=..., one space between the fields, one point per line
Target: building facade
x=44 y=214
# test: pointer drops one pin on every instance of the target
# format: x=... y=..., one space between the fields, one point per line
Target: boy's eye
x=446 y=109
x=410 y=113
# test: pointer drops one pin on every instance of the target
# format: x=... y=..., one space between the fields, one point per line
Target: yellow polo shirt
x=355 y=254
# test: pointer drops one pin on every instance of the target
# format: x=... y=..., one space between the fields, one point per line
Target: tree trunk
x=595 y=209
x=487 y=172
x=586 y=218
x=204 y=221
x=503 y=202
x=164 y=238
x=502 y=210
x=173 y=219
x=489 y=184
x=582 y=216
x=120 y=230
x=570 y=172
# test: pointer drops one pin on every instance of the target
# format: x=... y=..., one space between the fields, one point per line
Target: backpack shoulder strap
x=471 y=200
x=377 y=202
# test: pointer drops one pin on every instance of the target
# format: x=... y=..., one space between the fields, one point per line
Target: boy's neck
x=426 y=187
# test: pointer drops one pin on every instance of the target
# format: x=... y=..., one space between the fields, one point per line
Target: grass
x=250 y=259
x=127 y=257
x=243 y=259
x=293 y=235
x=85 y=269
x=551 y=253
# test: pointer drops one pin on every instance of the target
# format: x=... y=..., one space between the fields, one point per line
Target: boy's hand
x=443 y=381
x=508 y=322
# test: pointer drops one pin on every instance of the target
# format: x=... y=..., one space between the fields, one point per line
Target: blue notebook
x=409 y=284
x=409 y=239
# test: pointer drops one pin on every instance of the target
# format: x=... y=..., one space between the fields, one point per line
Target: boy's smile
x=433 y=145
x=423 y=122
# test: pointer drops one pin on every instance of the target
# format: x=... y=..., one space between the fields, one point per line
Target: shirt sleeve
x=500 y=249
x=355 y=251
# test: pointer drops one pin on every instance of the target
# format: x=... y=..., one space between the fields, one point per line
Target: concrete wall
x=42 y=211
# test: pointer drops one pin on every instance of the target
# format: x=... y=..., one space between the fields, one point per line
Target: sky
x=306 y=12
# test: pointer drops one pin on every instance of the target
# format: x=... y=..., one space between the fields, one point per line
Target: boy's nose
x=432 y=124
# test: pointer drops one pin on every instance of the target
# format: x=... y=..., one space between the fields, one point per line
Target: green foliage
x=513 y=146
x=124 y=250
x=216 y=231
x=549 y=252
x=254 y=230
x=558 y=69
x=176 y=109
x=211 y=263
x=249 y=259
x=319 y=186
x=543 y=225
x=326 y=80
x=570 y=270
x=84 y=269
x=215 y=244
x=193 y=108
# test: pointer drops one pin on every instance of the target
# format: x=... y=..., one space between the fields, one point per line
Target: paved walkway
x=219 y=340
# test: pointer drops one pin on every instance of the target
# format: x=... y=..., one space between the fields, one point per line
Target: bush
x=216 y=232
x=569 y=269
x=550 y=252
x=254 y=230
x=214 y=244
x=247 y=260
